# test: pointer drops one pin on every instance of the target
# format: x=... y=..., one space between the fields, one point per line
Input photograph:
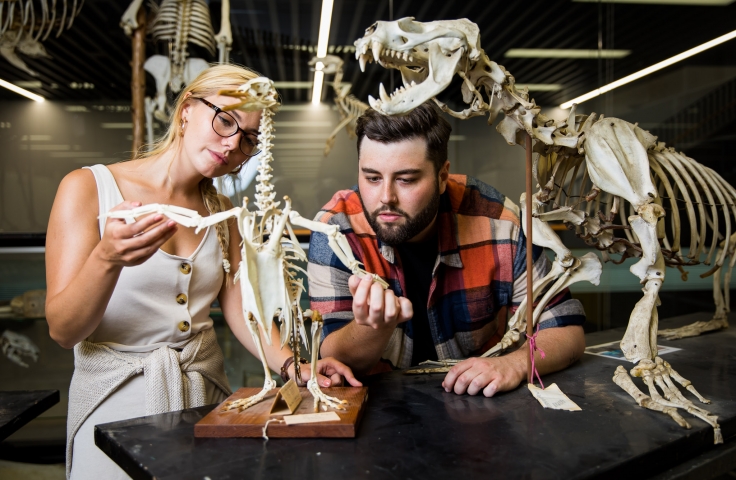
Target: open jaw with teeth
x=388 y=58
x=425 y=55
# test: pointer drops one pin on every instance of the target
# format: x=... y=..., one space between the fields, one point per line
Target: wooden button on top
x=185 y=268
x=184 y=326
x=181 y=299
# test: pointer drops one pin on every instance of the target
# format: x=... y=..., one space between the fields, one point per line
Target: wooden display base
x=250 y=422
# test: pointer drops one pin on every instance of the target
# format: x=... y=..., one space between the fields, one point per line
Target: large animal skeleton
x=25 y=24
x=267 y=272
x=178 y=23
x=590 y=170
x=347 y=104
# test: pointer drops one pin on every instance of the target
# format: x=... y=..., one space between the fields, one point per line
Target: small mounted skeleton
x=270 y=250
x=178 y=23
x=589 y=170
x=24 y=24
x=347 y=104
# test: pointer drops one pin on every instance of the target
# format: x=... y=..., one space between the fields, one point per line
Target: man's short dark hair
x=422 y=122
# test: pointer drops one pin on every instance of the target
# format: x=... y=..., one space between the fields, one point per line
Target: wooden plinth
x=250 y=422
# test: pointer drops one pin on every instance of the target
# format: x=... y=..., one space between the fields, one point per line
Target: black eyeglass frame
x=244 y=134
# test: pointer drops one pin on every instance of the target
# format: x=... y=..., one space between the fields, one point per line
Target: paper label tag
x=287 y=399
x=552 y=397
x=312 y=418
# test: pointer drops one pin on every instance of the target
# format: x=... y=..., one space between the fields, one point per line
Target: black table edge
x=36 y=409
x=714 y=462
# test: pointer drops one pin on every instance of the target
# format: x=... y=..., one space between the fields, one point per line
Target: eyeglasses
x=225 y=125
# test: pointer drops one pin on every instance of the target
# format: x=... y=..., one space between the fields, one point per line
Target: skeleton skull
x=16 y=346
x=426 y=54
x=257 y=94
x=330 y=64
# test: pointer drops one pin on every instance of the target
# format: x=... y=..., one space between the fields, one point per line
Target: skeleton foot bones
x=660 y=373
x=590 y=170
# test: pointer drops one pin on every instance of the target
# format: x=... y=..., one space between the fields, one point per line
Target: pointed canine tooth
x=383 y=94
x=361 y=59
x=376 y=49
x=373 y=102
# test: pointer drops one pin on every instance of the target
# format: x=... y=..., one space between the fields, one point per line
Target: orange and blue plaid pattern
x=480 y=273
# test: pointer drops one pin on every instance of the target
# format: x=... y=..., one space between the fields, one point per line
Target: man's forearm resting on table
x=357 y=346
x=562 y=346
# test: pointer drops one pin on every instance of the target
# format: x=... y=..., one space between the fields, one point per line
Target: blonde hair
x=207 y=83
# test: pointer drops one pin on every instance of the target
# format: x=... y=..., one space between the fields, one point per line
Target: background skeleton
x=590 y=170
x=178 y=23
x=25 y=24
x=349 y=107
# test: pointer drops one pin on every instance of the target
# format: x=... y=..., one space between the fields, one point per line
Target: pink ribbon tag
x=532 y=348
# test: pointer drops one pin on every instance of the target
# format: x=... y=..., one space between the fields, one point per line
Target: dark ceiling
x=96 y=51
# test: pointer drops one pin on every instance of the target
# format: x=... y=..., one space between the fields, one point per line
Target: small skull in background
x=15 y=346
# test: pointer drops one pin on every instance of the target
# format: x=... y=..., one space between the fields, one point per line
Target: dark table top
x=412 y=428
x=20 y=407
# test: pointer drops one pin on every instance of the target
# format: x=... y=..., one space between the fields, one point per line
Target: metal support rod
x=138 y=82
x=529 y=259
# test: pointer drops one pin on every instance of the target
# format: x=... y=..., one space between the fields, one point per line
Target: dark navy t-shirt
x=417 y=261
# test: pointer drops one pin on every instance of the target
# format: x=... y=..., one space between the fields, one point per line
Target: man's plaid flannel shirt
x=479 y=278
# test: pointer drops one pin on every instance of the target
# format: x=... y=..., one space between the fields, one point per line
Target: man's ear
x=444 y=175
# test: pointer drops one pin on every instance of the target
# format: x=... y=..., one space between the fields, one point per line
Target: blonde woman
x=133 y=299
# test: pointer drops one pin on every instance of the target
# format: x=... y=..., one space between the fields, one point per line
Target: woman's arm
x=82 y=269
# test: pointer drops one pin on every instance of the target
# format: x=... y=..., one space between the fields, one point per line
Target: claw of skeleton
x=320 y=396
x=244 y=403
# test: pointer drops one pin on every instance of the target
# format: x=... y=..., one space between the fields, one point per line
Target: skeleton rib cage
x=690 y=193
x=38 y=25
x=167 y=26
x=24 y=24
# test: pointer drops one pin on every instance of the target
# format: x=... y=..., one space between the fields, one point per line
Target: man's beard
x=410 y=228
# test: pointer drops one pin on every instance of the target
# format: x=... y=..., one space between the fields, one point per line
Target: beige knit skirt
x=129 y=401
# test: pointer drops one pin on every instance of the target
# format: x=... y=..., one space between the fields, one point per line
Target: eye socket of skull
x=450 y=45
x=408 y=25
x=371 y=29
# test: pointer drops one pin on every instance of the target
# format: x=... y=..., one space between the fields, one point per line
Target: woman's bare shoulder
x=79 y=187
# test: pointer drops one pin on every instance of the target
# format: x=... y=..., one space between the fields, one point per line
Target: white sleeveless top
x=165 y=300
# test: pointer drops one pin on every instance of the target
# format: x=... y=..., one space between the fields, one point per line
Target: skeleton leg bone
x=312 y=384
x=268 y=383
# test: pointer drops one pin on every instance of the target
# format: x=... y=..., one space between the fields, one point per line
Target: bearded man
x=453 y=253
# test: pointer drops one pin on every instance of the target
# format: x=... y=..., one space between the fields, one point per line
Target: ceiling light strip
x=324 y=37
x=21 y=91
x=652 y=69
x=565 y=53
x=699 y=3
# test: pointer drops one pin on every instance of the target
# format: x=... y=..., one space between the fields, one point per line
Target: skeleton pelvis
x=263 y=287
